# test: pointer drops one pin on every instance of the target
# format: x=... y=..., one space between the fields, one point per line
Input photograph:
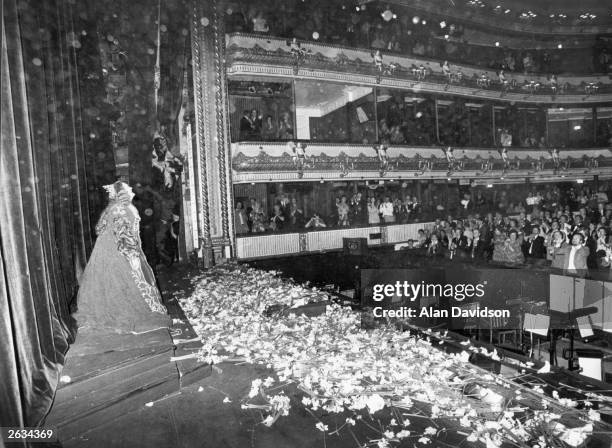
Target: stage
x=105 y=378
x=134 y=396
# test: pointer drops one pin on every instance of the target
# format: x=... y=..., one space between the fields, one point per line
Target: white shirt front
x=386 y=209
x=572 y=255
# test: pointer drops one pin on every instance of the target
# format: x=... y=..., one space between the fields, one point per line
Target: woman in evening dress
x=117 y=292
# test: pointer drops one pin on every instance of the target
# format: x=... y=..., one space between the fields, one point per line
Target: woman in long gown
x=117 y=292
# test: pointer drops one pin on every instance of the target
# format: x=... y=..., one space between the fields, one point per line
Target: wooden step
x=187 y=343
x=159 y=385
x=105 y=382
x=73 y=399
x=85 y=367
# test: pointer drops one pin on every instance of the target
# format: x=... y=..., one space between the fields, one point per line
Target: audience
x=340 y=24
x=565 y=229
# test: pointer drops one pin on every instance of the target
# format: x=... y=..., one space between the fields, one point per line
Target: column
x=212 y=149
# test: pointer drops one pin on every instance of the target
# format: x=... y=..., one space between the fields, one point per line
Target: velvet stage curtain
x=175 y=53
x=45 y=214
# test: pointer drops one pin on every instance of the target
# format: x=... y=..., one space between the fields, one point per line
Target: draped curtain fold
x=175 y=51
x=45 y=213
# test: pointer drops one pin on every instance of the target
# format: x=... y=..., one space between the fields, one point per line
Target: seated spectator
x=394 y=44
x=555 y=246
x=356 y=209
x=277 y=222
x=240 y=219
x=315 y=222
x=576 y=255
x=396 y=135
x=508 y=248
x=343 y=212
x=256 y=216
x=416 y=206
x=421 y=240
x=378 y=41
x=446 y=70
x=601 y=247
x=506 y=138
x=386 y=211
x=285 y=128
x=419 y=49
x=458 y=245
x=269 y=129
x=534 y=244
x=256 y=119
x=435 y=248
x=373 y=211
x=443 y=239
x=259 y=23
x=478 y=249
x=466 y=202
x=246 y=126
x=296 y=215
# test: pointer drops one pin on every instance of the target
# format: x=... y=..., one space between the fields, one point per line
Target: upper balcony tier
x=544 y=17
x=428 y=29
x=251 y=54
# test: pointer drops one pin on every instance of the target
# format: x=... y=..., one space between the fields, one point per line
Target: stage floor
x=208 y=412
x=197 y=417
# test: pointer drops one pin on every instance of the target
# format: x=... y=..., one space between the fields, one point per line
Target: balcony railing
x=261 y=162
x=427 y=72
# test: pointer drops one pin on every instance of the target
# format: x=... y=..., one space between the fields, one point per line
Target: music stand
x=571 y=320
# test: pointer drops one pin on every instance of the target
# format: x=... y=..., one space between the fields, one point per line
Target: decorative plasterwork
x=202 y=194
x=255 y=55
x=494 y=176
x=253 y=162
x=212 y=143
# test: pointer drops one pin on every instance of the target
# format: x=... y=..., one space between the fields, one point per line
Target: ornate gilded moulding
x=260 y=162
x=249 y=54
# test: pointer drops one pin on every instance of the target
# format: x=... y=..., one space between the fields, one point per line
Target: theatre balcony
x=318 y=118
x=255 y=55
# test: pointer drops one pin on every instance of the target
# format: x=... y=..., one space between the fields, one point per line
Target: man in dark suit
x=246 y=126
x=533 y=246
x=479 y=247
x=576 y=255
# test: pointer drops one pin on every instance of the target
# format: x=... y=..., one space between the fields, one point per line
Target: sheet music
x=584 y=325
x=536 y=323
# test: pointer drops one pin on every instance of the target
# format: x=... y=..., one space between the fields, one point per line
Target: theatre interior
x=306 y=223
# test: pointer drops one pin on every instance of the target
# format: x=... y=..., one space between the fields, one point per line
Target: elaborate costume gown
x=118 y=293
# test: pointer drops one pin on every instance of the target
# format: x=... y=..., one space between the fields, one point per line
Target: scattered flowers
x=248 y=315
x=321 y=427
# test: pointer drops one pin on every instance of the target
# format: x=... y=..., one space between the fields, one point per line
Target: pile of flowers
x=342 y=368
